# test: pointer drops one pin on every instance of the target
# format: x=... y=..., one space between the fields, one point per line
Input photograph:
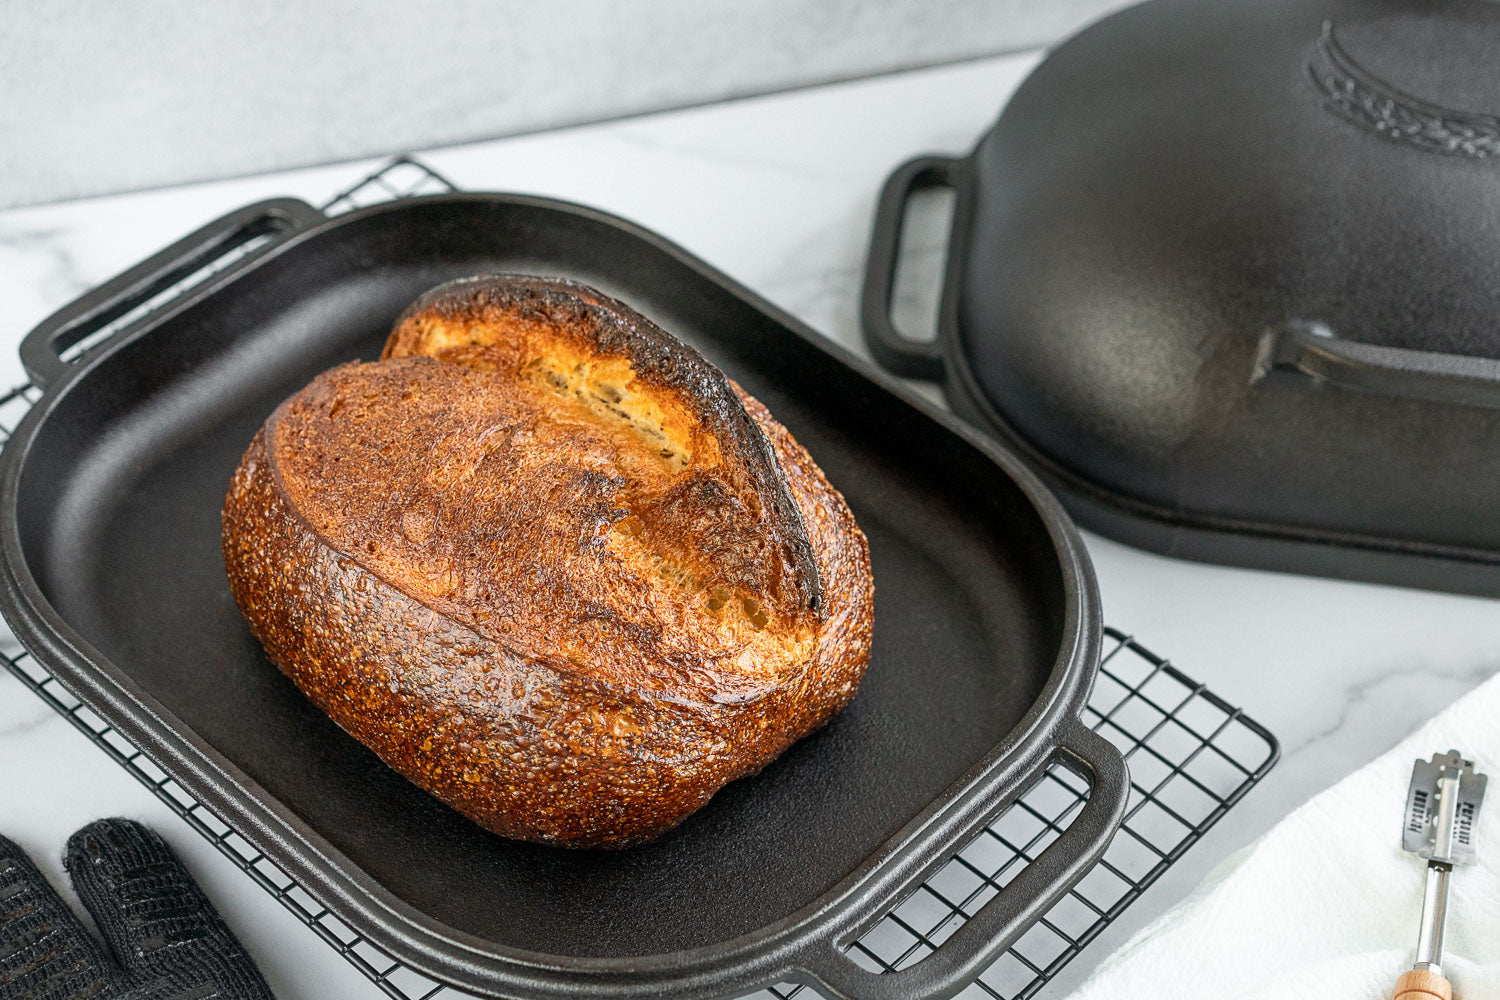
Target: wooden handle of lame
x=1420 y=984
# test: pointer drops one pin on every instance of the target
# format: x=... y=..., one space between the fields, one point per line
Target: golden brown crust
x=540 y=603
x=508 y=321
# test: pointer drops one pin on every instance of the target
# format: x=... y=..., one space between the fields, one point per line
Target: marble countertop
x=779 y=193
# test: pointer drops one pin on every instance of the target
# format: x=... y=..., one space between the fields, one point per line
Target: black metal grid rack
x=1192 y=757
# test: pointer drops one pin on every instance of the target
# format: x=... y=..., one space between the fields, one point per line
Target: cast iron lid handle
x=895 y=352
x=41 y=351
x=1313 y=349
x=1024 y=899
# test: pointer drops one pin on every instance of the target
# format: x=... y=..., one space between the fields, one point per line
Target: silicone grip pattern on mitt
x=165 y=939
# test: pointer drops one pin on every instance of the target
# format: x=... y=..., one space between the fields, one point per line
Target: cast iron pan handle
x=41 y=350
x=1026 y=898
x=897 y=354
x=1313 y=349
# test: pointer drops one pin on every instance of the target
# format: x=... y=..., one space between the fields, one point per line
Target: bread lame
x=1442 y=808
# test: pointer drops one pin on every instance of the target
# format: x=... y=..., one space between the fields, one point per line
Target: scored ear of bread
x=549 y=563
x=705 y=489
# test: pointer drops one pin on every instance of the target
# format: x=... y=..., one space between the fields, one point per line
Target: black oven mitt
x=165 y=940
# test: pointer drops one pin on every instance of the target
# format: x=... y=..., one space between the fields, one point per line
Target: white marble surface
x=778 y=192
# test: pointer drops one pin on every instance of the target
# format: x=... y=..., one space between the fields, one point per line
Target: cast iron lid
x=1227 y=274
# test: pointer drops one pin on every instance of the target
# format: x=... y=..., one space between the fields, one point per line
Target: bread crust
x=549 y=564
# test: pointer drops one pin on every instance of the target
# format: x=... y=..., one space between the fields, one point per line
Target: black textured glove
x=166 y=941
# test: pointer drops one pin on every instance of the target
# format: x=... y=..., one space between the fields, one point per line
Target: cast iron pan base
x=985 y=646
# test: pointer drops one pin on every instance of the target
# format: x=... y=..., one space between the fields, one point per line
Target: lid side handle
x=897 y=353
x=1314 y=350
x=43 y=348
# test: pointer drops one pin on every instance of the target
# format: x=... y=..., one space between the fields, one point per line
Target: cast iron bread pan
x=1228 y=276
x=986 y=642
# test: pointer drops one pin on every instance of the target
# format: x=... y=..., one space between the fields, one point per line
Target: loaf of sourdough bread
x=549 y=563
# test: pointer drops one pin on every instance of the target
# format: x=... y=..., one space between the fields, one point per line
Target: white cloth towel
x=1325 y=906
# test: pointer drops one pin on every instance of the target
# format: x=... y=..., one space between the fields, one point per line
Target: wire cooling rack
x=1192 y=757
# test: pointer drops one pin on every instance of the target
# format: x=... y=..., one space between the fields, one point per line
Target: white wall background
x=99 y=96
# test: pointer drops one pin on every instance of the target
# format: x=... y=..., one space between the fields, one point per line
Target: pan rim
x=471 y=962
